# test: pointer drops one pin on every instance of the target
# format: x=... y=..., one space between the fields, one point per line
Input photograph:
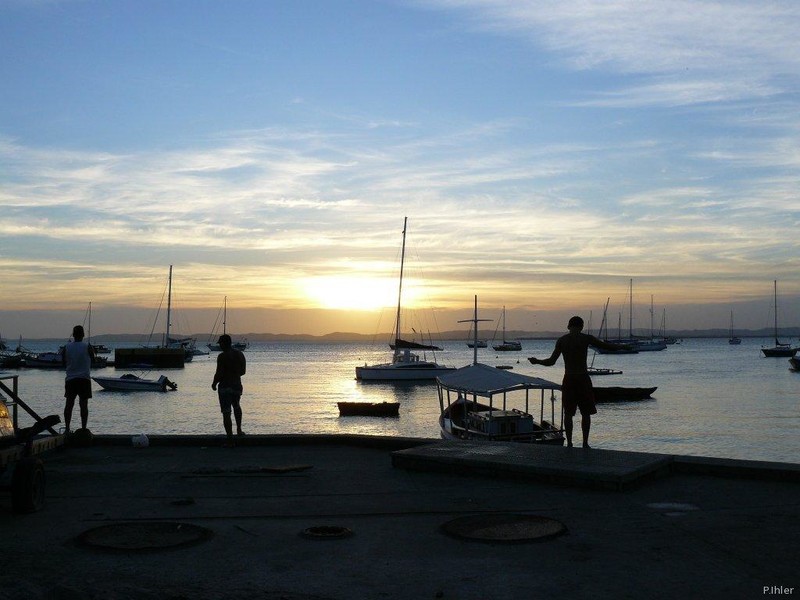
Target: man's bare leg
x=586 y=424
x=70 y=404
x=568 y=429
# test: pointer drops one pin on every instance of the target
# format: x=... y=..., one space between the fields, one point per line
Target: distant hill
x=786 y=334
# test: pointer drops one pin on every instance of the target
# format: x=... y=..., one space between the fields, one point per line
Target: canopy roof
x=483 y=380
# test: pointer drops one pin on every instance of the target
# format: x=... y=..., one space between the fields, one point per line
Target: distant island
x=343 y=336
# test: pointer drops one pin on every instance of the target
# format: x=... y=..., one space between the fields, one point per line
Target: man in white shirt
x=77 y=357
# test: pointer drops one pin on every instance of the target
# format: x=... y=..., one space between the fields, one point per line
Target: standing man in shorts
x=77 y=357
x=576 y=389
x=231 y=365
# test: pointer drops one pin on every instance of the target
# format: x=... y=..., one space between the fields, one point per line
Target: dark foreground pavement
x=679 y=535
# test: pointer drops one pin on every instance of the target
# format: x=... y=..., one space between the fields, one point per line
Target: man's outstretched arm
x=547 y=362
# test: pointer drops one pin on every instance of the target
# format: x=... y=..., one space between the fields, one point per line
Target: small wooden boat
x=369 y=409
x=622 y=394
x=133 y=383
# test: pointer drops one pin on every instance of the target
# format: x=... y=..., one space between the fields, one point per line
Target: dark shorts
x=577 y=393
x=78 y=387
x=228 y=398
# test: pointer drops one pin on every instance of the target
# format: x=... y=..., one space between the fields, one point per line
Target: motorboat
x=53 y=360
x=133 y=383
x=405 y=364
x=481 y=402
x=10 y=360
x=477 y=402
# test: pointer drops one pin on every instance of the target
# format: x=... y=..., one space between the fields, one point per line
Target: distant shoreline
x=340 y=337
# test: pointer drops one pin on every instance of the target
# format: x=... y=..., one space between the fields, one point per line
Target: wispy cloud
x=686 y=51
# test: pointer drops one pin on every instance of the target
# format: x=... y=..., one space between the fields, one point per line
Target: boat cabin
x=477 y=402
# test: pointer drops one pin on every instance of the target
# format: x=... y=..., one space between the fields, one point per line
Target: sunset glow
x=545 y=153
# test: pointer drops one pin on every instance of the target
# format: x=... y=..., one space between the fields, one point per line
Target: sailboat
x=732 y=339
x=405 y=365
x=473 y=341
x=639 y=344
x=507 y=346
x=169 y=355
x=214 y=347
x=591 y=369
x=780 y=349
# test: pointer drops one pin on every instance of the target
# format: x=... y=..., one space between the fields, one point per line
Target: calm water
x=713 y=399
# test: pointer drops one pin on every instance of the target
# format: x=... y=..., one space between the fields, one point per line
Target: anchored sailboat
x=732 y=339
x=506 y=345
x=213 y=346
x=405 y=365
x=780 y=349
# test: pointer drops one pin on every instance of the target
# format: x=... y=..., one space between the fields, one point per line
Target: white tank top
x=79 y=363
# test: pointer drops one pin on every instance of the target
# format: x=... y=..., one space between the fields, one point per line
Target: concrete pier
x=341 y=517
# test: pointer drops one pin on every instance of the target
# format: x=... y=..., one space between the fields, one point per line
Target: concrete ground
x=681 y=535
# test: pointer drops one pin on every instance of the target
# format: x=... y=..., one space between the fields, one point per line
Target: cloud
x=675 y=52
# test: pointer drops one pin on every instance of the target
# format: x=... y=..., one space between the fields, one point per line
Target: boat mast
x=400 y=287
x=630 y=312
x=169 y=304
x=775 y=283
x=475 y=320
x=224 y=313
x=651 y=316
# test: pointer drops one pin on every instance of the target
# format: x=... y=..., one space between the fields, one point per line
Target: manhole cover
x=508 y=528
x=326 y=532
x=144 y=536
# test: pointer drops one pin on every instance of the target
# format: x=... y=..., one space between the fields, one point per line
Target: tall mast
x=630 y=312
x=224 y=313
x=604 y=322
x=776 y=312
x=475 y=320
x=400 y=289
x=169 y=304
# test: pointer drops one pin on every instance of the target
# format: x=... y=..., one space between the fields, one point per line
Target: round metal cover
x=327 y=532
x=505 y=528
x=144 y=536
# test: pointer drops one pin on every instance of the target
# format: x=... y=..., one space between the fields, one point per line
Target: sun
x=351 y=292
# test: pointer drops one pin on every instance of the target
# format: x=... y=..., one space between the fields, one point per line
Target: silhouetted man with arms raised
x=576 y=388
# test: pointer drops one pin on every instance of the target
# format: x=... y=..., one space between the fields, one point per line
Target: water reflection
x=713 y=399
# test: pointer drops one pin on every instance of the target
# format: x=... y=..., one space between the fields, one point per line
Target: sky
x=546 y=154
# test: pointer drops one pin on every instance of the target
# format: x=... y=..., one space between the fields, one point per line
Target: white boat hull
x=131 y=383
x=391 y=372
